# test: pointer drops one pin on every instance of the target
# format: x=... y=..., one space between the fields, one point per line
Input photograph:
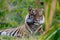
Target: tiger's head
x=36 y=15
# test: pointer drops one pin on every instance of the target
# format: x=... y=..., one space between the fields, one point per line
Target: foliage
x=51 y=35
x=53 y=32
x=15 y=38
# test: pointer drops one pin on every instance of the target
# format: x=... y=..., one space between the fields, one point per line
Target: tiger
x=34 y=19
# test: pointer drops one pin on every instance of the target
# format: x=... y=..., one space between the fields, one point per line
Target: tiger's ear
x=30 y=8
x=41 y=11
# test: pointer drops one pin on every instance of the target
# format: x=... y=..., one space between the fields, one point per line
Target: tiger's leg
x=41 y=30
x=28 y=28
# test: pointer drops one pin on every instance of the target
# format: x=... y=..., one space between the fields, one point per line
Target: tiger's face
x=35 y=14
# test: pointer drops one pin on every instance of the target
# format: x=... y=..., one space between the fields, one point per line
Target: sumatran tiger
x=34 y=20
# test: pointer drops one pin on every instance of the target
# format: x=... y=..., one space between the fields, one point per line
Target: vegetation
x=13 y=12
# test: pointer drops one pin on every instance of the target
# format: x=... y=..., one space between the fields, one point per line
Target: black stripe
x=0 y=33
x=10 y=32
x=14 y=32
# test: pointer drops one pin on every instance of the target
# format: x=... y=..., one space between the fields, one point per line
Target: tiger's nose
x=36 y=20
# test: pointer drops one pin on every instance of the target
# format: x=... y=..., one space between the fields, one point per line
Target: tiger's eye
x=40 y=15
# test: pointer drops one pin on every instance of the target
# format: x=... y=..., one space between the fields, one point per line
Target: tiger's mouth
x=36 y=24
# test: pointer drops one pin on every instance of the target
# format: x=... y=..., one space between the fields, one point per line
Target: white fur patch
x=3 y=33
x=42 y=21
x=26 y=18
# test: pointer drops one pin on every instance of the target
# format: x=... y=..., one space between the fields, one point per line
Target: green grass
x=15 y=38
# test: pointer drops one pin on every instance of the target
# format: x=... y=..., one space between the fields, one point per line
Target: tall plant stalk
x=52 y=12
x=46 y=14
x=38 y=4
